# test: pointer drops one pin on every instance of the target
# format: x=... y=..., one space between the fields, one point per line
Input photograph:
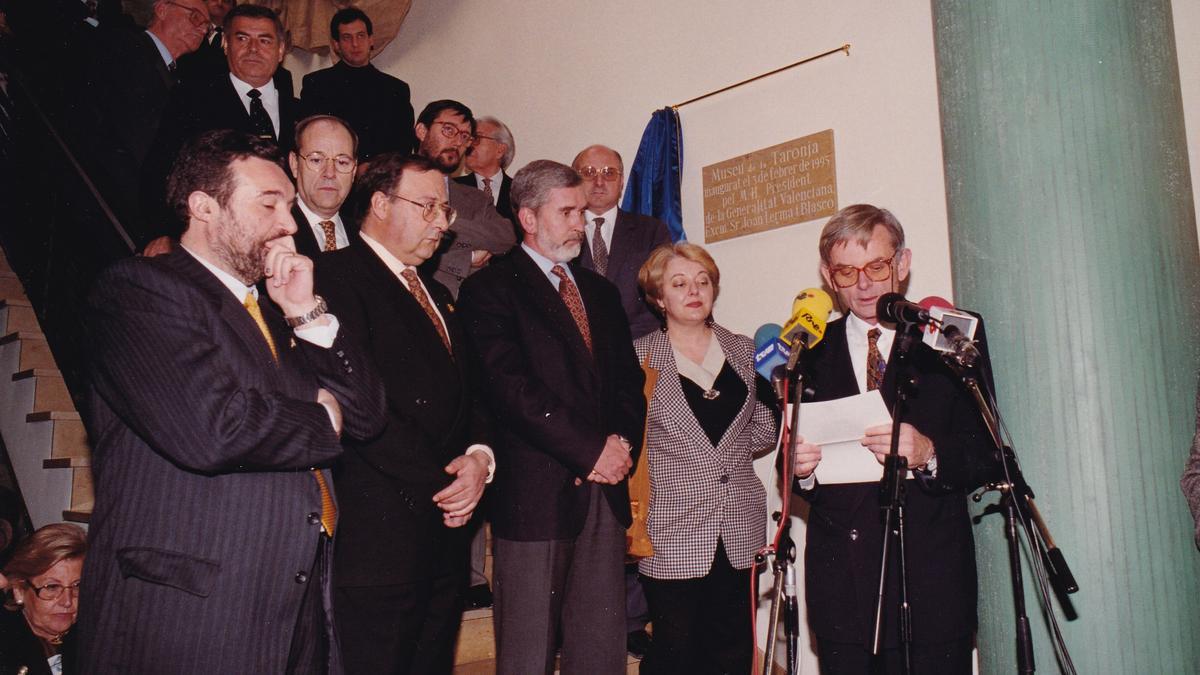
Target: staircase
x=44 y=434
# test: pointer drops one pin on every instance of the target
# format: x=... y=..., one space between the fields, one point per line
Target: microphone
x=893 y=308
x=950 y=331
x=769 y=350
x=806 y=327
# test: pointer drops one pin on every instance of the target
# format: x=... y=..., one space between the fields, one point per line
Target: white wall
x=1187 y=46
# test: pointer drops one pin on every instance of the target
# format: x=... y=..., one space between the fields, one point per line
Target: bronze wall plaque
x=784 y=184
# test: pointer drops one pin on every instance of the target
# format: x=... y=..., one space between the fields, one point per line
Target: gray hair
x=502 y=135
x=532 y=185
x=857 y=222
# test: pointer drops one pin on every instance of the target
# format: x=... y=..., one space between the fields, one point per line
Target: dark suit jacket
x=120 y=103
x=207 y=519
x=393 y=532
x=207 y=61
x=558 y=401
x=20 y=648
x=634 y=237
x=377 y=105
x=479 y=227
x=503 y=198
x=197 y=106
x=844 y=526
x=306 y=240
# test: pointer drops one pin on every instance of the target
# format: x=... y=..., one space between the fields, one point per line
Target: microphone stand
x=783 y=593
x=891 y=500
x=1017 y=505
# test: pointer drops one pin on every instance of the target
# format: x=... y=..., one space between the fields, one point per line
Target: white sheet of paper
x=837 y=426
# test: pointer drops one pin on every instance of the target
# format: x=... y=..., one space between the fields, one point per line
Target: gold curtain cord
x=844 y=48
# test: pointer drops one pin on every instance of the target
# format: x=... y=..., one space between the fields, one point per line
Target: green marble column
x=1072 y=231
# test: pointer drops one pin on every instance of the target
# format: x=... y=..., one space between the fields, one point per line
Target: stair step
x=21 y=316
x=35 y=352
x=476 y=638
x=73 y=516
x=49 y=391
x=10 y=285
x=66 y=462
x=70 y=437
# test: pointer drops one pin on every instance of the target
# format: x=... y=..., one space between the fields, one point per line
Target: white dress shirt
x=269 y=98
x=314 y=224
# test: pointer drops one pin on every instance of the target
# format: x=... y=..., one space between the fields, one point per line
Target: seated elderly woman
x=43 y=576
x=709 y=414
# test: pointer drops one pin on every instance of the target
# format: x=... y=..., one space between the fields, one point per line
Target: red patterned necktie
x=875 y=362
x=418 y=293
x=330 y=230
x=570 y=296
x=487 y=189
x=328 y=508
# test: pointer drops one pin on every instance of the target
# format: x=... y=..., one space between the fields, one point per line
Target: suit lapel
x=746 y=373
x=549 y=302
x=624 y=237
x=306 y=241
x=231 y=310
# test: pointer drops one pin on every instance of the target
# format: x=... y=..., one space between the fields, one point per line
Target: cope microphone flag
x=769 y=350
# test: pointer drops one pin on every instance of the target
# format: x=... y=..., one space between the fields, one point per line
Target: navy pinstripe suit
x=206 y=522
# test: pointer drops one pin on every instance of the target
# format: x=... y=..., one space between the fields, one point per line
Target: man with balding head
x=323 y=163
x=128 y=78
x=617 y=242
x=490 y=155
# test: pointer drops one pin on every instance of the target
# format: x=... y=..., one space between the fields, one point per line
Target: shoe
x=479 y=596
x=637 y=643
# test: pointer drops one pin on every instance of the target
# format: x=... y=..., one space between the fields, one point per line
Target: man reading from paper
x=862 y=258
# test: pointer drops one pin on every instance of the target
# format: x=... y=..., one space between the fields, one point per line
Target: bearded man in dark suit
x=943 y=439
x=558 y=362
x=400 y=564
x=214 y=422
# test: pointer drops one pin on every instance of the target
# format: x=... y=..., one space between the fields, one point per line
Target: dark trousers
x=574 y=586
x=701 y=625
x=945 y=658
x=401 y=628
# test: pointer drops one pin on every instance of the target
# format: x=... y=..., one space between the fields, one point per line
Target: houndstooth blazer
x=699 y=492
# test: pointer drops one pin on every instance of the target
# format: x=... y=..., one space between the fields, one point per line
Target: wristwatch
x=316 y=313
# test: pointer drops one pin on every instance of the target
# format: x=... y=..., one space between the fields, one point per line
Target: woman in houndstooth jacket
x=709 y=413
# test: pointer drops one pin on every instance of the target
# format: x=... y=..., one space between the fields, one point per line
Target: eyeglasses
x=195 y=16
x=430 y=211
x=609 y=173
x=341 y=163
x=451 y=131
x=845 y=276
x=54 y=591
x=481 y=137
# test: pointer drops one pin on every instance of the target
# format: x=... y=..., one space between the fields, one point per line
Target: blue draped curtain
x=654 y=178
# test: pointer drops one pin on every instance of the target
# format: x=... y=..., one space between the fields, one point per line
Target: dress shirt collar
x=606 y=230
x=231 y=282
x=162 y=49
x=314 y=219
x=497 y=181
x=545 y=265
x=393 y=263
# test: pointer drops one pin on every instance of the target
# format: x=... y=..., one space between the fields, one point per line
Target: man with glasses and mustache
x=216 y=412
x=405 y=495
x=943 y=439
x=445 y=129
x=323 y=164
x=617 y=242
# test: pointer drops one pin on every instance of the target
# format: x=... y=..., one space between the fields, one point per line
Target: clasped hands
x=914 y=446
x=459 y=499
x=614 y=463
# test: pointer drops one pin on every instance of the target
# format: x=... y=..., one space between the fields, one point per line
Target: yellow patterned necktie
x=875 y=362
x=330 y=230
x=328 y=508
